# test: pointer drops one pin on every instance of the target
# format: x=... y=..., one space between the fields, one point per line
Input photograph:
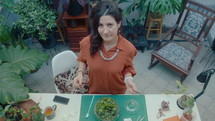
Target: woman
x=108 y=56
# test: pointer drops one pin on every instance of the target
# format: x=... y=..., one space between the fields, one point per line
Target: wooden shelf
x=80 y=25
x=79 y=31
x=82 y=16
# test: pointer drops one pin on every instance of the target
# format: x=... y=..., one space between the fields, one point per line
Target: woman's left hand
x=131 y=86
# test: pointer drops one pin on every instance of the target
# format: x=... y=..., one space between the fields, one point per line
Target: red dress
x=107 y=77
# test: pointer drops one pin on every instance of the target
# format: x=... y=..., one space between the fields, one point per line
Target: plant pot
x=14 y=113
x=50 y=42
x=156 y=16
x=16 y=31
x=74 y=9
x=24 y=107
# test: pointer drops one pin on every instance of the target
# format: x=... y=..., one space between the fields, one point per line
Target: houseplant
x=14 y=62
x=7 y=35
x=143 y=8
x=36 y=113
x=24 y=111
x=160 y=7
x=13 y=113
x=36 y=19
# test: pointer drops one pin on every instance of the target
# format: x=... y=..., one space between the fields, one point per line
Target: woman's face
x=108 y=28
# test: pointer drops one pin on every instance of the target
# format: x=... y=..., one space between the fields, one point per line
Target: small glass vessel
x=131 y=106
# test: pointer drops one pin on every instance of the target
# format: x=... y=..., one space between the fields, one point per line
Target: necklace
x=111 y=58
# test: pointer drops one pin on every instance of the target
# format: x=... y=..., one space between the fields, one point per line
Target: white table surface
x=71 y=111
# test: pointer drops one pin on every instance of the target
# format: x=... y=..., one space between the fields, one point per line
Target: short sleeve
x=129 y=67
x=84 y=48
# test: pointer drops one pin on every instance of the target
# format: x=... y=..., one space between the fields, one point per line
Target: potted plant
x=159 y=7
x=75 y=8
x=143 y=8
x=36 y=113
x=14 y=113
x=23 y=111
x=6 y=35
x=36 y=18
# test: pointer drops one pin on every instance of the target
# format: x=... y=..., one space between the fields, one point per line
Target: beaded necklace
x=111 y=58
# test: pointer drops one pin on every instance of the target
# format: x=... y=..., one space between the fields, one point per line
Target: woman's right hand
x=78 y=80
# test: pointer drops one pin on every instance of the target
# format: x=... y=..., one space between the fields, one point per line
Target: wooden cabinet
x=77 y=28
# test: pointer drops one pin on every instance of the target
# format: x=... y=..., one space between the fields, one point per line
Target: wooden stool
x=158 y=27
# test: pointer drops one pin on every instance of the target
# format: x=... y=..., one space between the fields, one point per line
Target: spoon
x=87 y=115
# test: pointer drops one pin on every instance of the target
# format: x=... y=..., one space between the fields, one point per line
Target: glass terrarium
x=106 y=109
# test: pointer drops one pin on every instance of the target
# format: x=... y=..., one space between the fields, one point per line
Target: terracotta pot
x=14 y=113
x=27 y=105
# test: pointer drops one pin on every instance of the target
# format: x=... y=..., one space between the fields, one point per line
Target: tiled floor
x=153 y=81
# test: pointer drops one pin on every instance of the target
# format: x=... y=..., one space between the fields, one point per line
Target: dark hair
x=102 y=8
